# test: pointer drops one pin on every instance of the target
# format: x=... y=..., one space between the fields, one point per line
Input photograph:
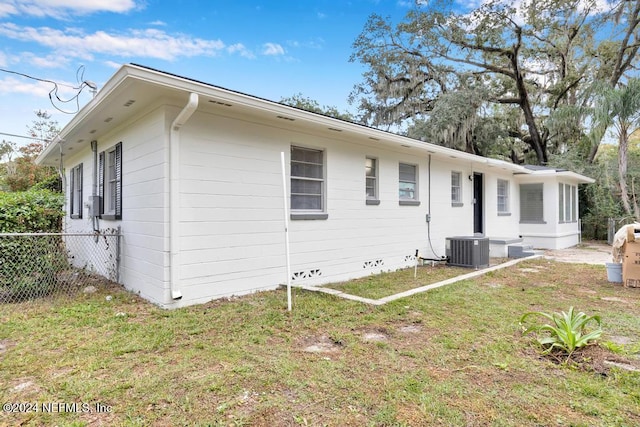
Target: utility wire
x=20 y=136
x=53 y=93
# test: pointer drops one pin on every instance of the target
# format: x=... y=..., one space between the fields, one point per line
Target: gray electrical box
x=94 y=205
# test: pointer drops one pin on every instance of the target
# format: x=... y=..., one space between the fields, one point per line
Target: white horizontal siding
x=231 y=209
x=501 y=225
x=231 y=218
x=144 y=261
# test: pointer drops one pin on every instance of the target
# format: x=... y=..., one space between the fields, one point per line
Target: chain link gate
x=38 y=265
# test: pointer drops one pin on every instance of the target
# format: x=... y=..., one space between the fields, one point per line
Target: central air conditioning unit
x=468 y=251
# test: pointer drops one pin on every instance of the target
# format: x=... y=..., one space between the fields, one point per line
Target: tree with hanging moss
x=527 y=66
x=305 y=103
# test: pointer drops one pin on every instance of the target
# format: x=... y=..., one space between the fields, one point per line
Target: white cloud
x=35 y=88
x=272 y=49
x=49 y=61
x=7 y=9
x=63 y=8
x=316 y=43
x=321 y=15
x=470 y=4
x=113 y=64
x=242 y=50
x=150 y=43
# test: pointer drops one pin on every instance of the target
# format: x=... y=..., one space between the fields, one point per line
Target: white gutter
x=174 y=193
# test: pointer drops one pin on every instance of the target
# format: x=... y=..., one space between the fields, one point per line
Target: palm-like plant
x=566 y=334
x=619 y=108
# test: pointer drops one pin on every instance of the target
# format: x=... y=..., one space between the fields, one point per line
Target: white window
x=503 y=196
x=408 y=182
x=307 y=179
x=531 y=203
x=561 y=202
x=371 y=177
x=75 y=192
x=567 y=203
x=574 y=204
x=456 y=187
x=110 y=182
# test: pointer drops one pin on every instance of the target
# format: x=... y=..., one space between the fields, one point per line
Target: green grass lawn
x=386 y=284
x=451 y=356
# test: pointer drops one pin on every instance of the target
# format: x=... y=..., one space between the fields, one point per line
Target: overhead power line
x=21 y=136
x=53 y=93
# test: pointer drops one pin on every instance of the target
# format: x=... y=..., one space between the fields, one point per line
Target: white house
x=192 y=174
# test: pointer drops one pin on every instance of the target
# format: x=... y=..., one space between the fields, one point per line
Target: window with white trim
x=371 y=178
x=307 y=179
x=408 y=182
x=75 y=192
x=503 y=197
x=560 y=202
x=567 y=203
x=574 y=203
x=456 y=188
x=531 y=203
x=110 y=182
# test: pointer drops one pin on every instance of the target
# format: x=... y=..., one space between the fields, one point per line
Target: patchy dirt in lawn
x=321 y=344
x=410 y=329
x=5 y=345
x=585 y=253
x=593 y=358
x=600 y=360
x=374 y=337
x=620 y=340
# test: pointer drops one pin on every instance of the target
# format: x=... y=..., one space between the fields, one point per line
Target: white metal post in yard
x=286 y=230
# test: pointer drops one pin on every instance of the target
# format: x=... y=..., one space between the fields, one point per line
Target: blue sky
x=271 y=49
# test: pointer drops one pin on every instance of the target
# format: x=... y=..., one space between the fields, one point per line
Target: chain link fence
x=39 y=265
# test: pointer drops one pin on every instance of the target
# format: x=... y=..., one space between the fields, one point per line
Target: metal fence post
x=611 y=225
x=118 y=237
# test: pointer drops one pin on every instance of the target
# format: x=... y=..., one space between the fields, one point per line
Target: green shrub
x=31 y=211
x=568 y=332
x=52 y=183
x=29 y=265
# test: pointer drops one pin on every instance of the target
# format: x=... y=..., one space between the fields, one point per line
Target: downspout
x=174 y=194
x=95 y=219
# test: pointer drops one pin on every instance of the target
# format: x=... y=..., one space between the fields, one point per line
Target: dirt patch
x=597 y=359
x=321 y=344
x=585 y=253
x=25 y=386
x=493 y=285
x=614 y=299
x=374 y=337
x=410 y=329
x=600 y=360
x=620 y=340
x=5 y=345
